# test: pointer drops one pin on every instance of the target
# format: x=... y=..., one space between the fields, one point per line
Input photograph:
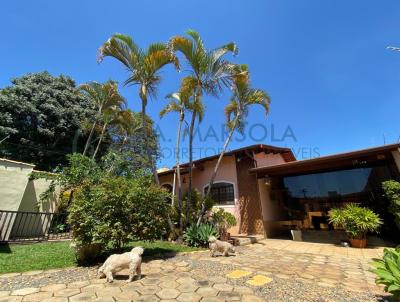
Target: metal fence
x=17 y=226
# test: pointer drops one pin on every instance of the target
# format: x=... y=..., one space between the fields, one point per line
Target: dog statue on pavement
x=117 y=262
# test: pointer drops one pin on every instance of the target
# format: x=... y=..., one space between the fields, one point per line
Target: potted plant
x=296 y=234
x=356 y=221
x=223 y=221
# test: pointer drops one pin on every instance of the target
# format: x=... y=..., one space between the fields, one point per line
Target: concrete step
x=239 y=240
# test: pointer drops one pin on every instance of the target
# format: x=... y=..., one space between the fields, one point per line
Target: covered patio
x=298 y=195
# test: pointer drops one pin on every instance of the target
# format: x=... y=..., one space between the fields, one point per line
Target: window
x=223 y=193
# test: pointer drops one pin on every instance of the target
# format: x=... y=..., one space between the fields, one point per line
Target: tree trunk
x=100 y=140
x=189 y=198
x=89 y=138
x=178 y=172
x=144 y=133
x=228 y=139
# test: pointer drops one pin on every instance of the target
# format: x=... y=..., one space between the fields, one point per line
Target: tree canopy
x=42 y=114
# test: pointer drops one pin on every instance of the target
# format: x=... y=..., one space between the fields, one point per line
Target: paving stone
x=83 y=297
x=183 y=280
x=11 y=299
x=147 y=281
x=56 y=299
x=92 y=287
x=104 y=299
x=242 y=290
x=127 y=295
x=207 y=291
x=187 y=287
x=236 y=274
x=24 y=291
x=229 y=296
x=52 y=287
x=68 y=292
x=212 y=299
x=189 y=297
x=169 y=284
x=108 y=292
x=37 y=296
x=182 y=263
x=78 y=284
x=223 y=286
x=148 y=290
x=204 y=283
x=259 y=280
x=168 y=293
x=148 y=298
x=4 y=293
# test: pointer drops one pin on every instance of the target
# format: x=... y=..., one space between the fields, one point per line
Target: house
x=270 y=192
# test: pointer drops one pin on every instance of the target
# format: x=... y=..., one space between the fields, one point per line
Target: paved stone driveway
x=273 y=270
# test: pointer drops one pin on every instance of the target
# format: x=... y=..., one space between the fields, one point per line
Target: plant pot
x=88 y=252
x=296 y=235
x=225 y=236
x=358 y=243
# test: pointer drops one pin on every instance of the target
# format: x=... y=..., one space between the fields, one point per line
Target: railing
x=17 y=226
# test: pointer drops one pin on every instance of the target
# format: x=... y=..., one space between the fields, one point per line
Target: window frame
x=217 y=204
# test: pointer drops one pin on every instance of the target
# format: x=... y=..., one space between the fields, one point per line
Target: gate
x=17 y=226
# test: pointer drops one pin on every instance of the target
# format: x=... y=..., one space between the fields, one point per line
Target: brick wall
x=251 y=221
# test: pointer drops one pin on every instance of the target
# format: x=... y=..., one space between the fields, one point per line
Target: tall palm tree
x=209 y=74
x=144 y=67
x=180 y=105
x=105 y=97
x=236 y=112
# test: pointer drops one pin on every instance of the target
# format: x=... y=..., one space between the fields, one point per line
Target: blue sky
x=334 y=86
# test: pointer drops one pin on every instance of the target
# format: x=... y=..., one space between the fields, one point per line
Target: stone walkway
x=272 y=270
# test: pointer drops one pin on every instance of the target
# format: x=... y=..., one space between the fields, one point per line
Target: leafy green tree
x=209 y=74
x=128 y=151
x=144 y=70
x=42 y=116
x=392 y=192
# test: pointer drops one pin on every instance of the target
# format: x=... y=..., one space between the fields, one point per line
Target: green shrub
x=198 y=235
x=392 y=192
x=387 y=271
x=355 y=220
x=222 y=220
x=116 y=210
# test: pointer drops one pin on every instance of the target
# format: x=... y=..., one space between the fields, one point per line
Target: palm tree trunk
x=178 y=172
x=89 y=138
x=144 y=129
x=228 y=139
x=100 y=140
x=189 y=198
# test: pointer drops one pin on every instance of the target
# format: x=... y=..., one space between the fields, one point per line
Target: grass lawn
x=40 y=256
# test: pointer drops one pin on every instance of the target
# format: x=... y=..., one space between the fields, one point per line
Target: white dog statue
x=117 y=262
x=220 y=246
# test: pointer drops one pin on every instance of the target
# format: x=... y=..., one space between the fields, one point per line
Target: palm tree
x=115 y=116
x=178 y=102
x=236 y=112
x=143 y=67
x=105 y=97
x=209 y=74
